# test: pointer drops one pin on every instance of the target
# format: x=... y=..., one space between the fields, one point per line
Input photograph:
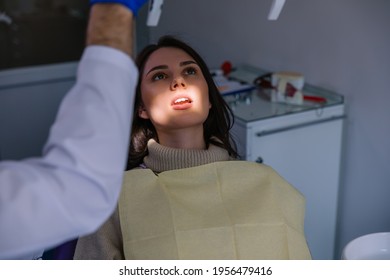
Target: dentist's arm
x=109 y=25
x=73 y=188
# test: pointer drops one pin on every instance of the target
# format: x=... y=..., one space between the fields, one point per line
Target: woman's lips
x=181 y=103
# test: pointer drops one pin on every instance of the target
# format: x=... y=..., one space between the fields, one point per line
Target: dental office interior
x=340 y=47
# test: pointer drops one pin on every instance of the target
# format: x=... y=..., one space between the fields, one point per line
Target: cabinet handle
x=272 y=131
x=259 y=160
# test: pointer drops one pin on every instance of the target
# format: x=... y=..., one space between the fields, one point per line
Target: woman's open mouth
x=181 y=103
x=182 y=100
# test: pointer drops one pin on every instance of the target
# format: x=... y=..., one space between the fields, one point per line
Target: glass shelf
x=256 y=104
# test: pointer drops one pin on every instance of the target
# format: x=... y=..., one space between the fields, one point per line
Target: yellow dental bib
x=222 y=210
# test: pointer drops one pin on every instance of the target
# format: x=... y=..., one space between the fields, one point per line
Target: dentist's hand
x=133 y=5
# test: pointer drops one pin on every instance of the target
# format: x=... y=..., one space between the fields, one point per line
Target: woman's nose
x=178 y=82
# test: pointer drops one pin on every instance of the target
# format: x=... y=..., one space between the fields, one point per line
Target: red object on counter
x=291 y=90
x=226 y=67
x=314 y=98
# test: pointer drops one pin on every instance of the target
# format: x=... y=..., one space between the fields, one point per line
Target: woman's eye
x=158 y=76
x=190 y=71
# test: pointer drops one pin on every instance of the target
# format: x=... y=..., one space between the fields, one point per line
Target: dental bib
x=222 y=210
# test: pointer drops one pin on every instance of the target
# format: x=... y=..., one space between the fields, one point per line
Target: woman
x=184 y=196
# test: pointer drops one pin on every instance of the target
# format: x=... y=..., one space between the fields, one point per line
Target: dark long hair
x=216 y=127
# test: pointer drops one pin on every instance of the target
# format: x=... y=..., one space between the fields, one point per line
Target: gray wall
x=342 y=45
x=29 y=100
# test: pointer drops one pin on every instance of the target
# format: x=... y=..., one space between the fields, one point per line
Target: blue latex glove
x=133 y=5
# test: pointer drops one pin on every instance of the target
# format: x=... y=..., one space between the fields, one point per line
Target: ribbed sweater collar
x=163 y=158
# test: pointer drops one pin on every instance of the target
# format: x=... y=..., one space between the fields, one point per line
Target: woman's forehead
x=166 y=55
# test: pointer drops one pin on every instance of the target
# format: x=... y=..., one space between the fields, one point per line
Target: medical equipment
x=276 y=8
x=155 y=9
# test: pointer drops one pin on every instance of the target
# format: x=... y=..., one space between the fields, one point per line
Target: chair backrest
x=64 y=251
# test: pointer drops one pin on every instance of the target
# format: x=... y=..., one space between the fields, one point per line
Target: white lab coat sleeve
x=73 y=188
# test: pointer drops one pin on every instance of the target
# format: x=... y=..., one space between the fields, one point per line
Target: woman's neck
x=161 y=158
x=186 y=138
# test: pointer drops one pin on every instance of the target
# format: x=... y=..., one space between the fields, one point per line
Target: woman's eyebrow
x=184 y=63
x=157 y=68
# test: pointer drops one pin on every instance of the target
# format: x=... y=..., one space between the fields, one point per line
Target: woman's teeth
x=181 y=100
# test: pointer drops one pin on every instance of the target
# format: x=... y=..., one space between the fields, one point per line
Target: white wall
x=342 y=45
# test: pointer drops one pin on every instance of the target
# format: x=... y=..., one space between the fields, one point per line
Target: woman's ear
x=142 y=113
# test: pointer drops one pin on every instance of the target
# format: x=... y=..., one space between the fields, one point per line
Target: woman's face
x=174 y=91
